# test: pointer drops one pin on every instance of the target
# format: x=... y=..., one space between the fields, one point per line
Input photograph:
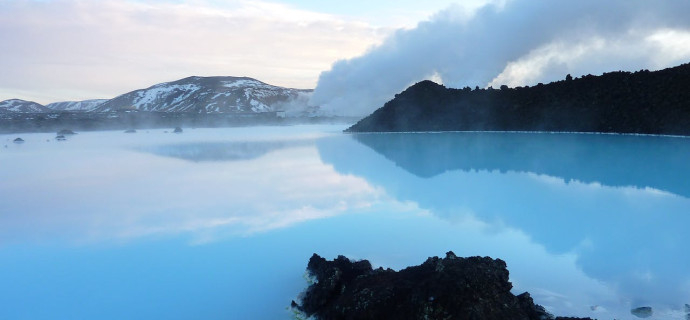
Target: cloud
x=72 y=49
x=517 y=42
x=632 y=51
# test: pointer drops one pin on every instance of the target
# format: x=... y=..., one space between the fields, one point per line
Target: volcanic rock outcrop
x=439 y=288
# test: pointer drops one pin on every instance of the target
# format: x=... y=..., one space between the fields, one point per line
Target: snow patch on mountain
x=242 y=83
x=21 y=106
x=157 y=97
x=76 y=106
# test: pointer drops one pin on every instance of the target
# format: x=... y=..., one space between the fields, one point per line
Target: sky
x=61 y=50
x=356 y=54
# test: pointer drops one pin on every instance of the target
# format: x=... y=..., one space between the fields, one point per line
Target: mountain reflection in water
x=618 y=202
x=222 y=151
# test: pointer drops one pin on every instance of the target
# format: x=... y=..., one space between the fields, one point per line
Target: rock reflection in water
x=612 y=160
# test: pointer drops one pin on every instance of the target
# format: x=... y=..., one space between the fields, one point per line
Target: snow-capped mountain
x=21 y=106
x=76 y=106
x=211 y=95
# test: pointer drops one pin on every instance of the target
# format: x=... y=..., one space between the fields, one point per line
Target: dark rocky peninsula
x=439 y=288
x=617 y=102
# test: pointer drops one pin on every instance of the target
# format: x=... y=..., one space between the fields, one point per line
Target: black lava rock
x=439 y=288
x=644 y=102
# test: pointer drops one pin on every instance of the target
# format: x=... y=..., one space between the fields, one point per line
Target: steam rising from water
x=514 y=42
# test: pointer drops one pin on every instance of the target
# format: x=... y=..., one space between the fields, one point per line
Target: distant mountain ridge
x=76 y=106
x=210 y=95
x=235 y=95
x=21 y=106
x=619 y=102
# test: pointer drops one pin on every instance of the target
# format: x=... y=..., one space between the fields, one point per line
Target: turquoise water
x=220 y=223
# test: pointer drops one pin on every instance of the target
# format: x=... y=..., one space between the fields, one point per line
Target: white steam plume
x=515 y=42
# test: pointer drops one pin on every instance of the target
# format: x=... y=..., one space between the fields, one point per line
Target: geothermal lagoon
x=220 y=223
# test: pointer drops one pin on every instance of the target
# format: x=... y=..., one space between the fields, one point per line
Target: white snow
x=242 y=83
x=151 y=99
x=86 y=105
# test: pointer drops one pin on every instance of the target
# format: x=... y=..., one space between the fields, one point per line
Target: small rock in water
x=642 y=312
x=65 y=132
x=60 y=138
x=18 y=140
x=177 y=130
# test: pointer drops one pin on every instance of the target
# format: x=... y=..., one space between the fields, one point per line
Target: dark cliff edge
x=439 y=288
x=642 y=102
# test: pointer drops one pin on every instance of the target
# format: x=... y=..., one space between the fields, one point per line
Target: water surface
x=220 y=223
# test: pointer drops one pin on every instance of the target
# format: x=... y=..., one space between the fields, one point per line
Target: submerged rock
x=130 y=131
x=177 y=130
x=18 y=140
x=65 y=132
x=439 y=288
x=642 y=312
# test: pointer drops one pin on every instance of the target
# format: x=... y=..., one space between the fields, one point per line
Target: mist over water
x=517 y=42
x=220 y=223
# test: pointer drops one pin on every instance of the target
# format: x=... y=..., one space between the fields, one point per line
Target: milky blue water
x=220 y=223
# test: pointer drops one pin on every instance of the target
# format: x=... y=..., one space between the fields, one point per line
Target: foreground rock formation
x=618 y=102
x=439 y=288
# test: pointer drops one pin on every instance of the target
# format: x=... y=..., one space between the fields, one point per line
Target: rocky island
x=643 y=102
x=440 y=288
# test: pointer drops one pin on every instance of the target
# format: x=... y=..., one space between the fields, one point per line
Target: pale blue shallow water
x=220 y=223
